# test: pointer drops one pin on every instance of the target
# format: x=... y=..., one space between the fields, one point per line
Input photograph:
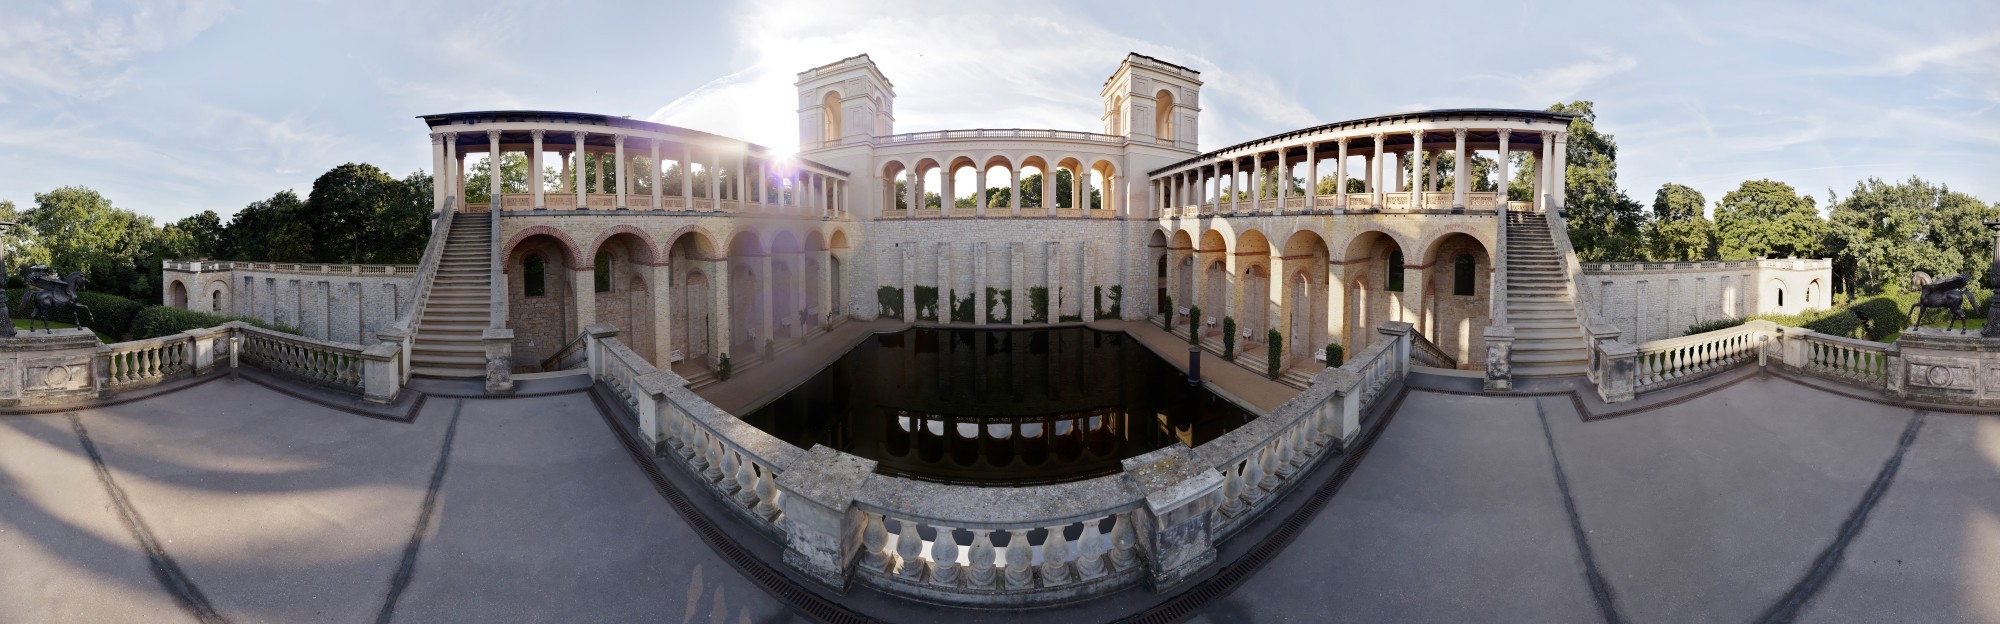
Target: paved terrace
x=1748 y=499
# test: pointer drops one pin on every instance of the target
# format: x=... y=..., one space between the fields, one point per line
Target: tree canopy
x=1882 y=232
x=1677 y=231
x=1604 y=224
x=1767 y=219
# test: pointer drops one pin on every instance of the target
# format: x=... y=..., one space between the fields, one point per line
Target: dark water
x=999 y=407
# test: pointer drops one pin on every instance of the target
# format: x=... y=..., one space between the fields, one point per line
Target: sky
x=172 y=107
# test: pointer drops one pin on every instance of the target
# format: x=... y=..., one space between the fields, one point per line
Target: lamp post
x=1993 y=276
x=6 y=322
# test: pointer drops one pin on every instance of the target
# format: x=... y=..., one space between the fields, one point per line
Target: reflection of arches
x=177 y=294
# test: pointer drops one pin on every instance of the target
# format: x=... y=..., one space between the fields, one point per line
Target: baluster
x=725 y=469
x=1090 y=555
x=1124 y=545
x=1289 y=458
x=1253 y=477
x=908 y=546
x=712 y=471
x=874 y=543
x=981 y=573
x=1020 y=573
x=746 y=482
x=1232 y=491
x=1055 y=558
x=1273 y=457
x=944 y=557
x=767 y=495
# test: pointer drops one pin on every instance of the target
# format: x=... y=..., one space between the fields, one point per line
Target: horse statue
x=1951 y=294
x=54 y=295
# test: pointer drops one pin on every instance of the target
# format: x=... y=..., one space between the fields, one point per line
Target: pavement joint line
x=1600 y=587
x=1788 y=608
x=165 y=569
x=408 y=567
x=120 y=399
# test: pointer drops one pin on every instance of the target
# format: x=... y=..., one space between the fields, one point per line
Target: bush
x=927 y=305
x=156 y=321
x=1194 y=325
x=1117 y=304
x=1717 y=324
x=1002 y=299
x=961 y=309
x=1843 y=323
x=890 y=298
x=1274 y=346
x=1335 y=355
x=1229 y=338
x=110 y=315
x=722 y=368
x=1882 y=317
x=1038 y=304
x=1167 y=313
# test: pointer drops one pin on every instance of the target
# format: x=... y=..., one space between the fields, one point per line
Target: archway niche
x=542 y=315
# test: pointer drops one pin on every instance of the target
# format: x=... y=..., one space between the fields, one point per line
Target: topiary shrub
x=1275 y=345
x=1717 y=324
x=1335 y=355
x=1229 y=338
x=1882 y=317
x=927 y=303
x=1167 y=313
x=722 y=368
x=1843 y=323
x=1038 y=304
x=156 y=321
x=890 y=298
x=1194 y=325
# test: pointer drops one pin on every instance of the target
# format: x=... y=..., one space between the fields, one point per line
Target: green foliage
x=156 y=321
x=722 y=368
x=76 y=229
x=999 y=305
x=1167 y=313
x=1678 y=232
x=1604 y=224
x=358 y=214
x=1117 y=303
x=890 y=298
x=1881 y=233
x=1038 y=303
x=1194 y=325
x=1767 y=219
x=1884 y=317
x=1335 y=355
x=1229 y=338
x=1274 y=348
x=927 y=303
x=1843 y=323
x=961 y=309
x=1714 y=325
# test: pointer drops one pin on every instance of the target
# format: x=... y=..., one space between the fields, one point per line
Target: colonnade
x=915 y=187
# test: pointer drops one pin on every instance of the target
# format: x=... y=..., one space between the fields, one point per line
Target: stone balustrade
x=209 y=266
x=1675 y=361
x=518 y=204
x=1155 y=523
x=1004 y=133
x=1859 y=362
x=69 y=367
x=1426 y=353
x=140 y=363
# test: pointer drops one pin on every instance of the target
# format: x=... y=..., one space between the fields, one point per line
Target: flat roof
x=1524 y=113
x=612 y=121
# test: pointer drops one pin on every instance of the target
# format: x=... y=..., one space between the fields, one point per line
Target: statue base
x=48 y=368
x=1946 y=367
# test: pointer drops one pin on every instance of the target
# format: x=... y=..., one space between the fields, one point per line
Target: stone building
x=701 y=248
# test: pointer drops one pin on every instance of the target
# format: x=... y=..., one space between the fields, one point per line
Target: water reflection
x=998 y=406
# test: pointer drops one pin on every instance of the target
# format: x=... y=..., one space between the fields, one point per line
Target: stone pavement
x=1765 y=500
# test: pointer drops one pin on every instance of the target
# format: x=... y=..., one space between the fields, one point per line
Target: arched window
x=534 y=281
x=1462 y=274
x=1163 y=115
x=1395 y=277
x=1781 y=297
x=215 y=301
x=603 y=271
x=830 y=112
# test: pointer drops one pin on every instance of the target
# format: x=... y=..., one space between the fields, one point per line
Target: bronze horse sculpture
x=1950 y=294
x=54 y=296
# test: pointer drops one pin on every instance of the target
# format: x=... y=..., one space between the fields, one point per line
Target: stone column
x=764 y=186
x=663 y=309
x=1376 y=162
x=1559 y=172
x=440 y=187
x=1083 y=191
x=742 y=184
x=1340 y=177
x=719 y=336
x=979 y=180
x=1013 y=190
x=581 y=189
x=1233 y=190
x=1256 y=183
x=979 y=282
x=584 y=283
x=1312 y=176
x=1460 y=171
x=1544 y=176
x=715 y=180
x=448 y=170
x=493 y=166
x=597 y=177
x=655 y=178
x=687 y=177
x=1506 y=161
x=910 y=195
x=1417 y=168
x=535 y=182
x=624 y=188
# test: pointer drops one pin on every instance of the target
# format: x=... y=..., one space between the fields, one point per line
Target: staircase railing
x=496 y=290
x=1577 y=289
x=412 y=317
x=1426 y=353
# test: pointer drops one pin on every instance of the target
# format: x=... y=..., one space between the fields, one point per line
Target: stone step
x=1524 y=355
x=1569 y=369
x=449 y=316
x=439 y=372
x=1525 y=334
x=452 y=349
x=1526 y=324
x=448 y=361
x=1539 y=305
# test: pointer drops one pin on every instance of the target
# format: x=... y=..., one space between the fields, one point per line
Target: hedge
x=890 y=299
x=110 y=315
x=156 y=321
x=1884 y=316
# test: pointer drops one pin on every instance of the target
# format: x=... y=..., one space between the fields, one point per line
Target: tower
x=846 y=102
x=1153 y=102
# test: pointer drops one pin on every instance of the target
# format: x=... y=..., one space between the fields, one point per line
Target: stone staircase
x=447 y=343
x=1547 y=340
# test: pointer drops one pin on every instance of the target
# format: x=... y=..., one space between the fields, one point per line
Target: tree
x=344 y=201
x=1765 y=219
x=1678 y=231
x=204 y=233
x=81 y=231
x=514 y=177
x=23 y=248
x=270 y=230
x=1604 y=224
x=1882 y=232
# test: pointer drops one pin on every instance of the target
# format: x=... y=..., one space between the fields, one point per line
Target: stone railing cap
x=1617 y=348
x=1498 y=332
x=601 y=330
x=381 y=351
x=1170 y=477
x=970 y=507
x=827 y=477
x=494 y=333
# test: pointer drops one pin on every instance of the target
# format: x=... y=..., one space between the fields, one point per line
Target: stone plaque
x=1941 y=373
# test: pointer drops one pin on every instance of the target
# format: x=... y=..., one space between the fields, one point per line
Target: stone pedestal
x=1174 y=525
x=49 y=368
x=1499 y=358
x=499 y=343
x=1946 y=367
x=822 y=526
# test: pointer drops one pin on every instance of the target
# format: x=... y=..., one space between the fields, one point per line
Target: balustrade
x=146 y=362
x=1844 y=359
x=1435 y=200
x=327 y=363
x=1674 y=361
x=1481 y=201
x=1357 y=202
x=1423 y=352
x=1396 y=202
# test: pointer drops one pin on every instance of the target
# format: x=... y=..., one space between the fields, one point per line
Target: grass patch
x=22 y=324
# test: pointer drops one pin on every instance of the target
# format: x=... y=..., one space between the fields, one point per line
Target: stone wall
x=1656 y=300
x=338 y=302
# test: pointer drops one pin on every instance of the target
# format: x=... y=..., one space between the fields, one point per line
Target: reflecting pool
x=999 y=407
